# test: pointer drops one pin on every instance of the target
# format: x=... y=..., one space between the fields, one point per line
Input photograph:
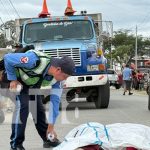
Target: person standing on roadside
x=127 y=78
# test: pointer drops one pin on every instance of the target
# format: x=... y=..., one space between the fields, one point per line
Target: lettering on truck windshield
x=58 y=30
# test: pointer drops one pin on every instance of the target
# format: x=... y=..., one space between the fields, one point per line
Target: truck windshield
x=58 y=30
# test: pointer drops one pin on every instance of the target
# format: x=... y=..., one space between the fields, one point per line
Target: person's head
x=123 y=65
x=61 y=68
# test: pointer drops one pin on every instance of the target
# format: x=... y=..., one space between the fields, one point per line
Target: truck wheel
x=102 y=100
x=2 y=117
x=70 y=95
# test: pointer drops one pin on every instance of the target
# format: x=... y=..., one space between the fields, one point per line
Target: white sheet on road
x=110 y=137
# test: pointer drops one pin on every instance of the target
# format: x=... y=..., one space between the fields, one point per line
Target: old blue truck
x=78 y=37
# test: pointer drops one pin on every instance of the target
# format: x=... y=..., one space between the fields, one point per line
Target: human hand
x=15 y=86
x=51 y=131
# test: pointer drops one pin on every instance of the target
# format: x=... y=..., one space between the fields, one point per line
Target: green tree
x=2 y=41
x=7 y=25
x=124 y=46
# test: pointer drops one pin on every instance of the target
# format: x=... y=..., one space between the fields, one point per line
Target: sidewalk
x=117 y=106
x=137 y=92
x=141 y=92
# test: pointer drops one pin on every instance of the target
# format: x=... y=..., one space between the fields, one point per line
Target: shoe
x=20 y=147
x=130 y=93
x=124 y=93
x=48 y=143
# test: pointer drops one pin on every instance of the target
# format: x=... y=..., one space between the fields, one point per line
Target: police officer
x=34 y=69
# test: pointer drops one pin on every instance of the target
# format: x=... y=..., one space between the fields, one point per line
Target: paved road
x=126 y=108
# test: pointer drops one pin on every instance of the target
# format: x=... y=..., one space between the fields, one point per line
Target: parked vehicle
x=115 y=79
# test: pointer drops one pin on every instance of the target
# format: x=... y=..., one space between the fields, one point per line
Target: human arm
x=55 y=95
x=22 y=60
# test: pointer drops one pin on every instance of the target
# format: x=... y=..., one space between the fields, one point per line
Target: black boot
x=19 y=147
x=48 y=143
x=130 y=93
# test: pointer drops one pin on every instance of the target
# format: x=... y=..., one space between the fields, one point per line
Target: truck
x=115 y=79
x=77 y=36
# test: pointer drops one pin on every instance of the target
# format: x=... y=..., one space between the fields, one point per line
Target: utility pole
x=136 y=49
x=111 y=60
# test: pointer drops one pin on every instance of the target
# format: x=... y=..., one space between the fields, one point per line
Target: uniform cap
x=66 y=64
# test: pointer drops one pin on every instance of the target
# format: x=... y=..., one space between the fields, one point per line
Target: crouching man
x=34 y=69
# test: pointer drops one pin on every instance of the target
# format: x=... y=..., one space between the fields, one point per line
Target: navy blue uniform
x=28 y=60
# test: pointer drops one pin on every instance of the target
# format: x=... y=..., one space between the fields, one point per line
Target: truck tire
x=2 y=117
x=102 y=100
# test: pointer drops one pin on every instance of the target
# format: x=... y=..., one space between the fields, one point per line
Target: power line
x=5 y=8
x=1 y=20
x=14 y=8
x=144 y=20
x=10 y=8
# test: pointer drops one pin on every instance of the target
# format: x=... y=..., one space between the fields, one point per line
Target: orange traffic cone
x=69 y=10
x=44 y=12
x=69 y=4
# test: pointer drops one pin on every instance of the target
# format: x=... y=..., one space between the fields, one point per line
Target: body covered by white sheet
x=109 y=137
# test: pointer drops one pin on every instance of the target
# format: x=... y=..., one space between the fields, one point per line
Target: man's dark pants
x=23 y=103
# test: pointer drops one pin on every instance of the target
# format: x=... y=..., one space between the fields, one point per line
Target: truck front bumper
x=86 y=80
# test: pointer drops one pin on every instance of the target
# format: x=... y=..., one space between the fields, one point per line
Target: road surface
x=131 y=109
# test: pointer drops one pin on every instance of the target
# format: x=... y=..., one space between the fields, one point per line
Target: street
x=66 y=59
x=123 y=109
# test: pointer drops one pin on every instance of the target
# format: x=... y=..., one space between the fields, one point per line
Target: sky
x=125 y=14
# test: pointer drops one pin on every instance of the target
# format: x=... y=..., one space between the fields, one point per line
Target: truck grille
x=74 y=53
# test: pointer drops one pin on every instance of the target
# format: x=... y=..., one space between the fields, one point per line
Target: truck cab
x=76 y=37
